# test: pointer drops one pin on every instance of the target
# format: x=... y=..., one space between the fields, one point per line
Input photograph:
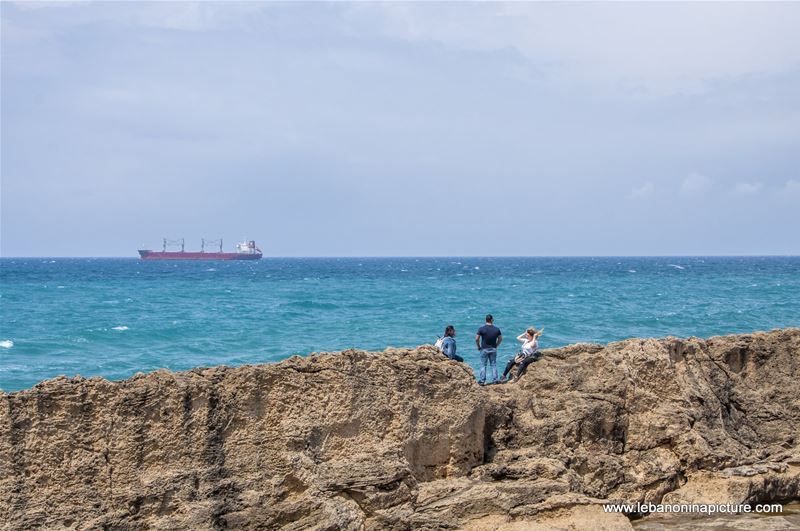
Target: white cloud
x=653 y=48
x=747 y=188
x=695 y=184
x=643 y=48
x=184 y=16
x=646 y=190
x=42 y=4
x=192 y=16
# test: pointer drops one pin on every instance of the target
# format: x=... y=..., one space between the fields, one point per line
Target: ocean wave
x=676 y=266
x=357 y=305
x=6 y=343
x=310 y=305
x=120 y=328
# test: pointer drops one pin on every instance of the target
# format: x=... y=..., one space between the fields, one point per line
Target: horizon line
x=447 y=256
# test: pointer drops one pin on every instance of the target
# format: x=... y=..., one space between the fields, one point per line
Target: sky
x=401 y=129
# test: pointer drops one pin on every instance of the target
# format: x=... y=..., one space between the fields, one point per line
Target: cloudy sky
x=401 y=129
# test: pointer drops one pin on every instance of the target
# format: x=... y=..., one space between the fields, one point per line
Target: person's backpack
x=440 y=344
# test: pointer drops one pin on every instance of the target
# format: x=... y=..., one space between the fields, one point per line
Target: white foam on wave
x=6 y=343
x=210 y=269
x=120 y=328
x=631 y=271
x=676 y=266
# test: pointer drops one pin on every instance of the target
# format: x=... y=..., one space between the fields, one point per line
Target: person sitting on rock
x=527 y=354
x=449 y=343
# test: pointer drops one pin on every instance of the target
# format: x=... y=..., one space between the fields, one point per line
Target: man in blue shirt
x=488 y=339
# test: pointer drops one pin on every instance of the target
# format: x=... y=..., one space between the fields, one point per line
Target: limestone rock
x=405 y=439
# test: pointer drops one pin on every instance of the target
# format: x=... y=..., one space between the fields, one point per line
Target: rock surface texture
x=405 y=439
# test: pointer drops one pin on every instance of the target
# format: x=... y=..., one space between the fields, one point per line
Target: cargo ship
x=246 y=250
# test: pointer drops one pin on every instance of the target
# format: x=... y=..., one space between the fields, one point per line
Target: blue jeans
x=490 y=355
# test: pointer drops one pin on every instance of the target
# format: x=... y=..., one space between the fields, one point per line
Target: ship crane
x=173 y=242
x=210 y=242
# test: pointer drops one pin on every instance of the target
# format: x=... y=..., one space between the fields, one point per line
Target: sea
x=114 y=317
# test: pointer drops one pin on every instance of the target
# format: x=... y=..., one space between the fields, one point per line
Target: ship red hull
x=159 y=255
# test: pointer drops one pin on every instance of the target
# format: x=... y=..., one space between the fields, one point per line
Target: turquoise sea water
x=115 y=317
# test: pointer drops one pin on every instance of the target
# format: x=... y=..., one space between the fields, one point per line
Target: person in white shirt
x=527 y=354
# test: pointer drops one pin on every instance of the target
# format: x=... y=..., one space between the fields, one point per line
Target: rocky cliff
x=405 y=439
